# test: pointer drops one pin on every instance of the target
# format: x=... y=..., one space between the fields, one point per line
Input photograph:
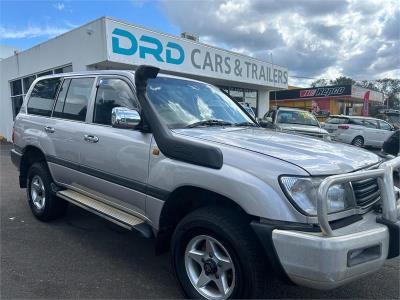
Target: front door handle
x=49 y=129
x=90 y=138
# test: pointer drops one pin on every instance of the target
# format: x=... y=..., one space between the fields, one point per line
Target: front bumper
x=15 y=157
x=325 y=262
x=332 y=257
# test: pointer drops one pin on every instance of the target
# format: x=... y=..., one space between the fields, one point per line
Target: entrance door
x=116 y=159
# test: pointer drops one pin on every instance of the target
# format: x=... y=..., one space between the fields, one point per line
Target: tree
x=319 y=82
x=342 y=80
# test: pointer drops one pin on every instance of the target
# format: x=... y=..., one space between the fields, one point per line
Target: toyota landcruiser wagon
x=181 y=162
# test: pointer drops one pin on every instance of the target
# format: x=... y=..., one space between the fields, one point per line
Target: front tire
x=216 y=255
x=44 y=204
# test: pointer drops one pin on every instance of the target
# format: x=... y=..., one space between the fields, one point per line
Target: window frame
x=90 y=101
x=97 y=85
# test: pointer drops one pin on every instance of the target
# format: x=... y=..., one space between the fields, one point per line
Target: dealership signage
x=135 y=46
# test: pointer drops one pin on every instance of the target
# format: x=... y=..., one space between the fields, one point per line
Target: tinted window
x=370 y=124
x=73 y=99
x=42 y=97
x=112 y=93
x=58 y=109
x=357 y=122
x=384 y=126
x=337 y=121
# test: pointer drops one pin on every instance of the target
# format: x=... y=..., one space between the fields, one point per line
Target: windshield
x=297 y=117
x=181 y=103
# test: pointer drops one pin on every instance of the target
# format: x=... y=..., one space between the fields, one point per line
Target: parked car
x=294 y=120
x=358 y=131
x=392 y=144
x=391 y=116
x=179 y=161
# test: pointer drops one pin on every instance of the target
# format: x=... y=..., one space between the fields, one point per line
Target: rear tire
x=234 y=268
x=44 y=204
x=358 y=141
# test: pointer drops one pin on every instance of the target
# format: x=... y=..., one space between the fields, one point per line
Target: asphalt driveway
x=84 y=256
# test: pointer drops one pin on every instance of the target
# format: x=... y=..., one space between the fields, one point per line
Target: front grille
x=366 y=191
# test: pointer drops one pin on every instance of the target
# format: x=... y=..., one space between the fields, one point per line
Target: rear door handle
x=90 y=138
x=49 y=129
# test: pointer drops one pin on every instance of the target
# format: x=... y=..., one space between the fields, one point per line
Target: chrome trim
x=384 y=174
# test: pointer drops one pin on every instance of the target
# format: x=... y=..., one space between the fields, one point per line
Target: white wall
x=80 y=47
x=263 y=102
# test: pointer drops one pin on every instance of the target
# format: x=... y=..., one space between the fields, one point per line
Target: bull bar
x=384 y=175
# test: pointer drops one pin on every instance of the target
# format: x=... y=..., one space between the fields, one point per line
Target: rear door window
x=42 y=98
x=73 y=99
x=370 y=124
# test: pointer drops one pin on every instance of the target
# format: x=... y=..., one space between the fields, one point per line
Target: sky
x=312 y=38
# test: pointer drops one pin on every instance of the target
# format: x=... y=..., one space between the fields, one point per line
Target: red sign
x=365 y=106
x=308 y=93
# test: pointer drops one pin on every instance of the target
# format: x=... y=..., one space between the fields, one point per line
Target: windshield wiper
x=209 y=123
x=245 y=124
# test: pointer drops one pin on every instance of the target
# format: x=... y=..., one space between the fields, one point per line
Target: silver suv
x=179 y=161
x=294 y=120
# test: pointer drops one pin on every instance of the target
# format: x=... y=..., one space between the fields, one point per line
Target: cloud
x=358 y=38
x=59 y=6
x=31 y=32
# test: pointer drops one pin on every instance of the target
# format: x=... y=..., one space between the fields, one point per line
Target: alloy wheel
x=209 y=267
x=38 y=192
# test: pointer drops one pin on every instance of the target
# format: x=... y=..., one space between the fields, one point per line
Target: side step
x=106 y=211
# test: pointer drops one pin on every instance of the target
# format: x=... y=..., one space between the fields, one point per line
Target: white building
x=106 y=43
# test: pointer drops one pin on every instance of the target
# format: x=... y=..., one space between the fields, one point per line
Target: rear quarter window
x=337 y=121
x=43 y=96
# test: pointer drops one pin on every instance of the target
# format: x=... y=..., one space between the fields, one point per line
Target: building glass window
x=65 y=69
x=17 y=96
x=27 y=82
x=248 y=96
x=45 y=73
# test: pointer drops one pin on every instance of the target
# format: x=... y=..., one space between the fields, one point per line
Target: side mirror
x=267 y=122
x=122 y=117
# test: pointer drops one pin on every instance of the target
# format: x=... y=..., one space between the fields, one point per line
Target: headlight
x=303 y=192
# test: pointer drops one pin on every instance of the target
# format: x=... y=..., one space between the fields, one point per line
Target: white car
x=358 y=131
